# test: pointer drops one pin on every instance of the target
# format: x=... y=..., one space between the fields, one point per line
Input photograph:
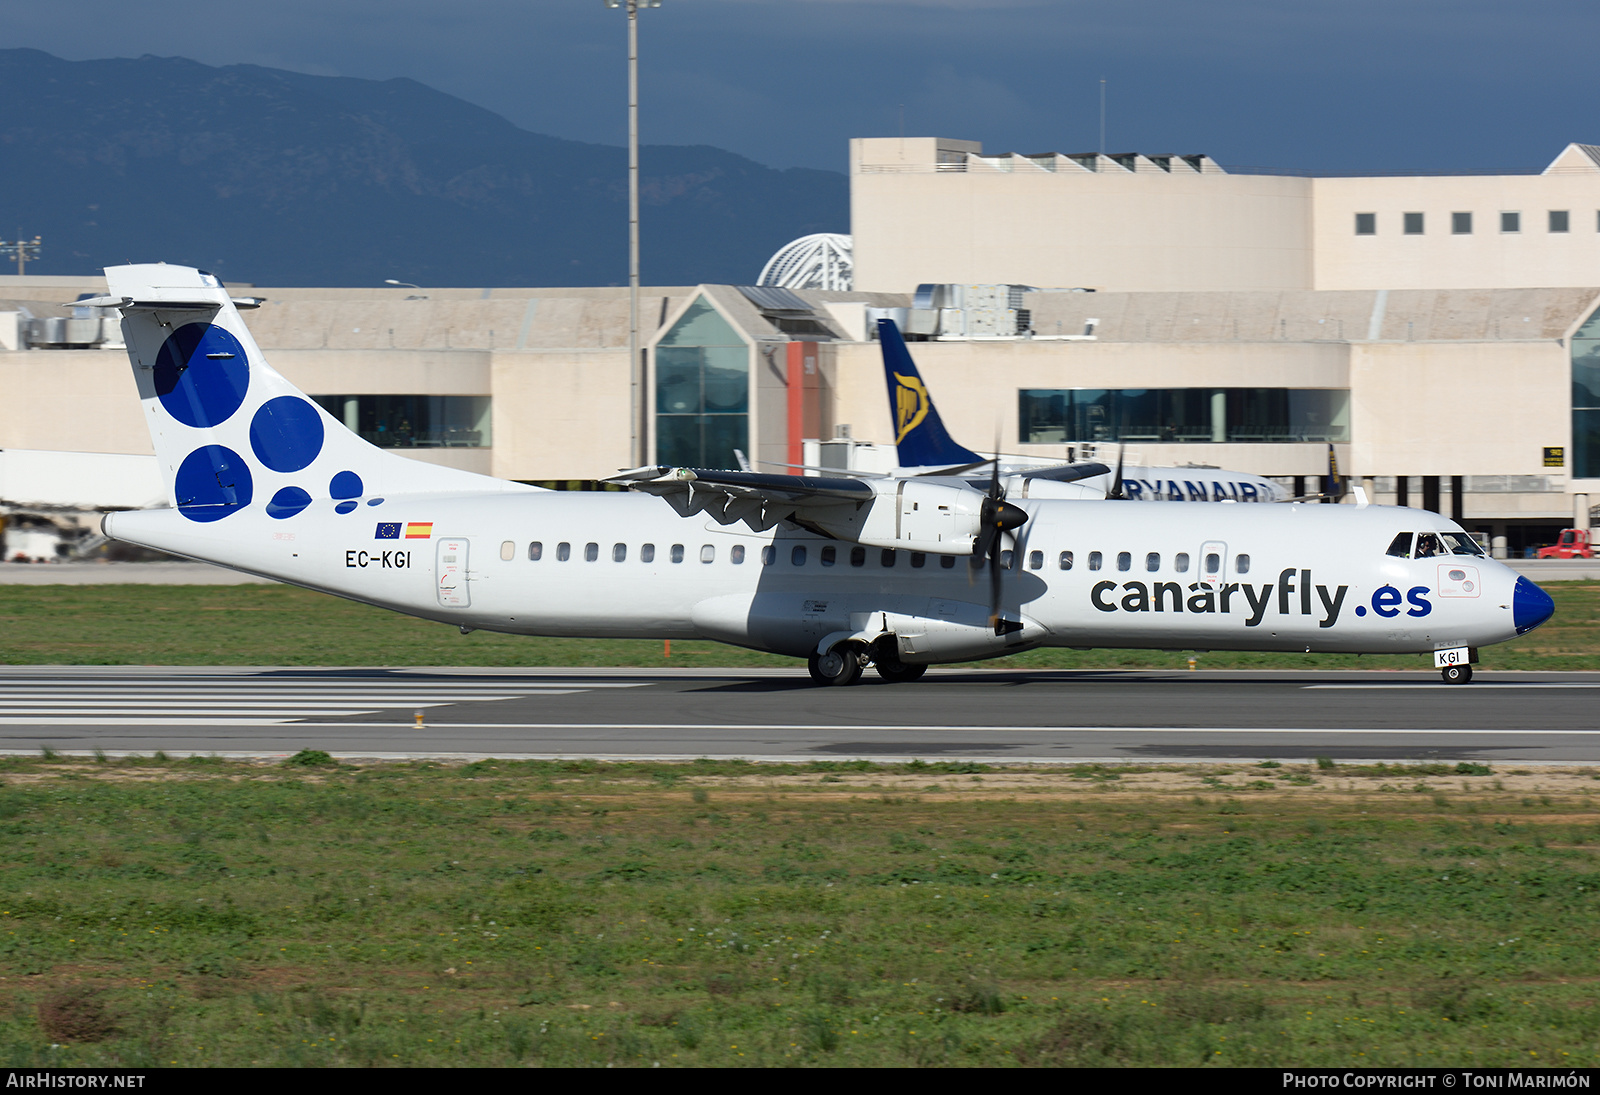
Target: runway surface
x=992 y=715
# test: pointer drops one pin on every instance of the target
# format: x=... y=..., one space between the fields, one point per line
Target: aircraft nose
x=1530 y=606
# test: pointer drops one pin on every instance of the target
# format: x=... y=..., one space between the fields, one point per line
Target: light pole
x=24 y=251
x=637 y=433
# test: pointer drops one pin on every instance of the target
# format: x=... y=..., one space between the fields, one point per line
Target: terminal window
x=1510 y=222
x=1366 y=224
x=1560 y=220
x=1461 y=224
x=1585 y=353
x=1166 y=415
x=702 y=391
x=1413 y=223
x=413 y=421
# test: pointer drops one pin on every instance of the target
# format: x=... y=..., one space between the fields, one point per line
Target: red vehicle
x=1574 y=544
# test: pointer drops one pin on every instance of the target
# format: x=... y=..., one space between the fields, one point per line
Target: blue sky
x=1318 y=85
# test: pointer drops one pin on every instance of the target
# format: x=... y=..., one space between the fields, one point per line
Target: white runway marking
x=831 y=728
x=243 y=700
x=1465 y=689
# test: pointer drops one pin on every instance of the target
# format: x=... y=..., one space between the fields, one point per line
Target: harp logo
x=910 y=405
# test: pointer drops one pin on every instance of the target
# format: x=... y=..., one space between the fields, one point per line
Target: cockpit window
x=1428 y=545
x=1431 y=544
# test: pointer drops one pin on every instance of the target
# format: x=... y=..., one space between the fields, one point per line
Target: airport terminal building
x=1439 y=331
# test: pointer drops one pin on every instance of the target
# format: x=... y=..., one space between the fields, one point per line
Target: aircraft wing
x=916 y=515
x=1064 y=473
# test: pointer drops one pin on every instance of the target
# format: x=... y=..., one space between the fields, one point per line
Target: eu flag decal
x=387 y=530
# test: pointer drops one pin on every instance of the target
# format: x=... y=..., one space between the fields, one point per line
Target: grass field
x=204 y=913
x=281 y=625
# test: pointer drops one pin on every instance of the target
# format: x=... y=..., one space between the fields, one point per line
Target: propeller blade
x=1116 y=481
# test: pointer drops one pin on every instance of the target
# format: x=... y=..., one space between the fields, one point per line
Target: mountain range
x=279 y=178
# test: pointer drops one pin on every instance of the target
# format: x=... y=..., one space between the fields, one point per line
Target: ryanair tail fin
x=1338 y=485
x=919 y=435
x=230 y=433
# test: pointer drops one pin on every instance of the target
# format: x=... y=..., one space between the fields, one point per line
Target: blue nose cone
x=1530 y=606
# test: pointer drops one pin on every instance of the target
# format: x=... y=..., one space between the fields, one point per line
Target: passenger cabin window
x=1006 y=558
x=676 y=553
x=563 y=552
x=508 y=550
x=1065 y=561
x=947 y=561
x=1180 y=562
x=798 y=555
x=1152 y=562
x=887 y=557
x=619 y=553
x=536 y=551
x=1400 y=547
x=1094 y=560
x=769 y=555
x=1124 y=560
x=708 y=554
x=647 y=553
x=919 y=559
x=830 y=555
x=736 y=554
x=591 y=552
x=1035 y=560
x=1213 y=564
x=1241 y=564
x=858 y=556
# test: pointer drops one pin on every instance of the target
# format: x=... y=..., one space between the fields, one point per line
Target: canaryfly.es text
x=1294 y=593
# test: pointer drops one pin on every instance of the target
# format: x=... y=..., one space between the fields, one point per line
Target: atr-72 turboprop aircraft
x=842 y=572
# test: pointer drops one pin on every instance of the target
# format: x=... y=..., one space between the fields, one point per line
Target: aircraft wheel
x=839 y=666
x=899 y=672
x=1456 y=674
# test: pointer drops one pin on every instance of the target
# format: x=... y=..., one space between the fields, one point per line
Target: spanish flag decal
x=419 y=530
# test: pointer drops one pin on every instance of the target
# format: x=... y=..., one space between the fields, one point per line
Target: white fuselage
x=1313 y=577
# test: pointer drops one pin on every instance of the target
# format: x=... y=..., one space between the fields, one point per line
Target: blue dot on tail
x=288 y=502
x=201 y=375
x=286 y=433
x=374 y=501
x=212 y=482
x=347 y=484
x=344 y=507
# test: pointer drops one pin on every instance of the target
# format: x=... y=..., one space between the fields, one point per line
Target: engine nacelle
x=910 y=515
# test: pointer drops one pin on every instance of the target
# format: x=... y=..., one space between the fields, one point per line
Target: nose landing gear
x=1456 y=674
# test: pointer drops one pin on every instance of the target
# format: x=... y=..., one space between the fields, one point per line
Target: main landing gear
x=1456 y=674
x=844 y=663
x=841 y=665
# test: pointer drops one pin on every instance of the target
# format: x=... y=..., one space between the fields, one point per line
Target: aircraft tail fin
x=229 y=431
x=920 y=436
x=1338 y=485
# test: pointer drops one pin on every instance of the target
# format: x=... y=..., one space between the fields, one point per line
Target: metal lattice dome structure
x=820 y=261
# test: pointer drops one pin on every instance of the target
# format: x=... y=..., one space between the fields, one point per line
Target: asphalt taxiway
x=962 y=713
